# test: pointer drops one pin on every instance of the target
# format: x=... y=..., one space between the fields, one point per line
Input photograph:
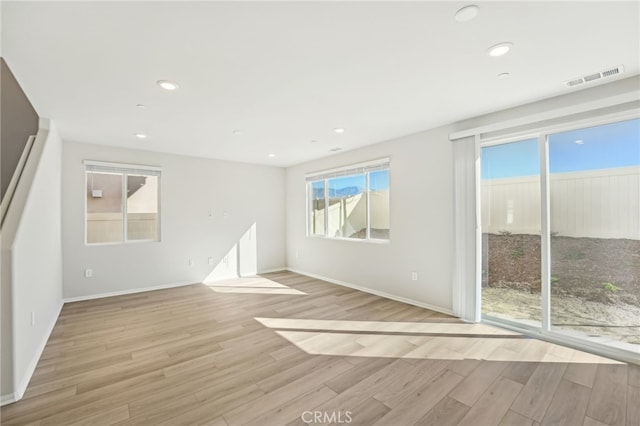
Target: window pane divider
x=125 y=206
x=545 y=243
x=368 y=192
x=326 y=207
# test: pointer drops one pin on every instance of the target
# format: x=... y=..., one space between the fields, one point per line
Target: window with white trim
x=122 y=203
x=351 y=202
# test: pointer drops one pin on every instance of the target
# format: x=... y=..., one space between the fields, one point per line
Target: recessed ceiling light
x=467 y=13
x=237 y=132
x=314 y=141
x=271 y=155
x=580 y=142
x=167 y=85
x=140 y=135
x=338 y=130
x=336 y=149
x=504 y=75
x=141 y=106
x=499 y=49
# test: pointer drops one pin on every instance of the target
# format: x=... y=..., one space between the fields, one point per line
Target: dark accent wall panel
x=18 y=121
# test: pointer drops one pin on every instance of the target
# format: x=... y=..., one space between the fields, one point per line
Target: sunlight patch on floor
x=421 y=340
x=252 y=285
x=386 y=326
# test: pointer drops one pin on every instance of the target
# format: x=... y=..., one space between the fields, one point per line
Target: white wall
x=32 y=250
x=251 y=195
x=421 y=215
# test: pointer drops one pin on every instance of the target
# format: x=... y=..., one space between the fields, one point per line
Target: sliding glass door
x=579 y=208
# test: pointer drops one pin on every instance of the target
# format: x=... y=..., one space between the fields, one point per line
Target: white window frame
x=545 y=331
x=352 y=170
x=124 y=170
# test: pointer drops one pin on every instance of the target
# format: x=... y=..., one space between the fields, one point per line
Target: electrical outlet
x=192 y=263
x=414 y=276
x=210 y=261
x=225 y=214
x=88 y=273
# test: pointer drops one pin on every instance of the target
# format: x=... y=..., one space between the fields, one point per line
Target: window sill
x=122 y=243
x=355 y=240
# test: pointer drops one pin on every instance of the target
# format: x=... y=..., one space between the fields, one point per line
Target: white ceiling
x=289 y=73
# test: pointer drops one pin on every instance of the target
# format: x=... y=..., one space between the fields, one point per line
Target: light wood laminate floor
x=283 y=349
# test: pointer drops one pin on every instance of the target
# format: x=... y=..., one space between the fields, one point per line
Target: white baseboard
x=376 y=292
x=7 y=399
x=268 y=271
x=123 y=292
x=31 y=368
x=157 y=287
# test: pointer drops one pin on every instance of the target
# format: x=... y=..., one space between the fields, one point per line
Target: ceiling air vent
x=596 y=76
x=613 y=71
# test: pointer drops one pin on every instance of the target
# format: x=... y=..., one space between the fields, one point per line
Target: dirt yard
x=595 y=283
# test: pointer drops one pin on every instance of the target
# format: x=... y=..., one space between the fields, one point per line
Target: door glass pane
x=348 y=207
x=104 y=208
x=595 y=233
x=379 y=199
x=510 y=185
x=316 y=221
x=142 y=207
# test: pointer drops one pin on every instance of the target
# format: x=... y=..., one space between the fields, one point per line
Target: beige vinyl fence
x=349 y=215
x=595 y=204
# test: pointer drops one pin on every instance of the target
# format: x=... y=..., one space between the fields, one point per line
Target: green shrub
x=517 y=253
x=611 y=287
